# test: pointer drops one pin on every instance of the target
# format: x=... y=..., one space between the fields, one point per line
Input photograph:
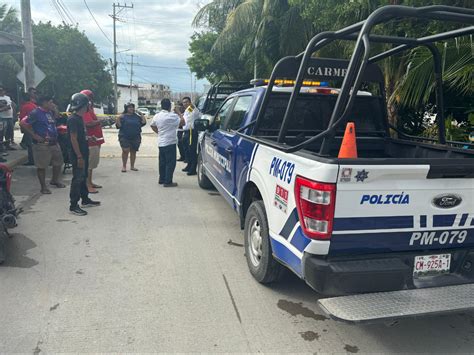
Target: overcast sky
x=156 y=32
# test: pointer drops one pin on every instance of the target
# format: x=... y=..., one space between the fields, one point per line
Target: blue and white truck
x=384 y=235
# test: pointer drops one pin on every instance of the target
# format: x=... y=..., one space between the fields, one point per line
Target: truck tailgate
x=395 y=208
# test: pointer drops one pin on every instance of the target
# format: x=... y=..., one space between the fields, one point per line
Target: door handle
x=229 y=150
x=214 y=143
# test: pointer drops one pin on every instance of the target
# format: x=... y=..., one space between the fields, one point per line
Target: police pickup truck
x=209 y=103
x=385 y=234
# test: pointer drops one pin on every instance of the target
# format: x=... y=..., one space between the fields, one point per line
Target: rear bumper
x=382 y=272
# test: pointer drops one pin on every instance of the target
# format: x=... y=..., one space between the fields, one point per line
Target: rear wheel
x=258 y=250
x=203 y=180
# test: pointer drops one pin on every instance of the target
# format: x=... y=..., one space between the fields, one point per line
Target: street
x=163 y=270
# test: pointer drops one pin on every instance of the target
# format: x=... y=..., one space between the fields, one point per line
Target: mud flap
x=394 y=305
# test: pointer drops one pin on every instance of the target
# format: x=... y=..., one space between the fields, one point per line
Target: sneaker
x=185 y=169
x=90 y=203
x=191 y=173
x=173 y=184
x=77 y=211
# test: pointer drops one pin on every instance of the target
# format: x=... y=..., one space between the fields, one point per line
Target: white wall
x=124 y=97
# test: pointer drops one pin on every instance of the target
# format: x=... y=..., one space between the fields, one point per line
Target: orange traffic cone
x=349 y=146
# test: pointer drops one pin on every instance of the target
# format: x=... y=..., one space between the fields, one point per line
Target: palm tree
x=266 y=30
x=418 y=83
x=8 y=24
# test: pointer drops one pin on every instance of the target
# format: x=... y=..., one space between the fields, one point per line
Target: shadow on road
x=16 y=250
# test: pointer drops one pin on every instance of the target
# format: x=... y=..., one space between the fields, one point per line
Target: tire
x=203 y=180
x=258 y=250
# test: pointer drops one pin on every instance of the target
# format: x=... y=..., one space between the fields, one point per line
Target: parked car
x=145 y=111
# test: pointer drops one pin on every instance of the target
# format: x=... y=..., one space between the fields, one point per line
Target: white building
x=152 y=93
x=126 y=95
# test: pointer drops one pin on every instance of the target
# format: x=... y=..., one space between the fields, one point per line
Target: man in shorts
x=41 y=125
x=96 y=139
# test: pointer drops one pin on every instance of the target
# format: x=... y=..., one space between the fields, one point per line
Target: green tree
x=409 y=77
x=263 y=29
x=9 y=65
x=214 y=66
x=71 y=63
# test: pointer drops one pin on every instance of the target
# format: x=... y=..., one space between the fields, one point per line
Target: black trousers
x=190 y=139
x=182 y=152
x=10 y=131
x=167 y=163
x=79 y=182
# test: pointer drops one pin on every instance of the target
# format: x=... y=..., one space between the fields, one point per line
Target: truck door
x=225 y=140
x=215 y=156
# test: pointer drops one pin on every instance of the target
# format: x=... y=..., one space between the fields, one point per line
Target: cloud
x=156 y=32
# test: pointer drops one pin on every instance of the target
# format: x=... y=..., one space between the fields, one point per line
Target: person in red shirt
x=26 y=108
x=95 y=140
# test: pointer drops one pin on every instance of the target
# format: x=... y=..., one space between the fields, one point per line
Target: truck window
x=313 y=112
x=235 y=119
x=224 y=112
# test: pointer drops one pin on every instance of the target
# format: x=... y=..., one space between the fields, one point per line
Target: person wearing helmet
x=79 y=155
x=96 y=139
x=130 y=126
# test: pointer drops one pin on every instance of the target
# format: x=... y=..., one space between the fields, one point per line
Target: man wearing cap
x=41 y=126
x=79 y=155
x=96 y=139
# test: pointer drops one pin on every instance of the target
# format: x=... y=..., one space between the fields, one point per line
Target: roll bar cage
x=361 y=67
x=223 y=88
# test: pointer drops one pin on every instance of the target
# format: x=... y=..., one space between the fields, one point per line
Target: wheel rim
x=255 y=241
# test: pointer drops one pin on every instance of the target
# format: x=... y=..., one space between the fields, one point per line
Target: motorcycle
x=8 y=211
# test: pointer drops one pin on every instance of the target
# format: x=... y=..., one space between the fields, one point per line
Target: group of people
x=175 y=128
x=39 y=119
x=8 y=116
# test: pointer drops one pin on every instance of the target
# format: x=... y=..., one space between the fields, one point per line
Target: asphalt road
x=163 y=270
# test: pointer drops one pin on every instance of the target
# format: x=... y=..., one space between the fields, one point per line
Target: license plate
x=427 y=265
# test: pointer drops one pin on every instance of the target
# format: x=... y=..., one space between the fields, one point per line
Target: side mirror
x=201 y=124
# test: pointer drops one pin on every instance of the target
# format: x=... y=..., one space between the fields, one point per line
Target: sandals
x=95 y=186
x=46 y=191
x=134 y=169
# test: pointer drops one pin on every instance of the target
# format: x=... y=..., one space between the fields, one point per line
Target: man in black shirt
x=79 y=155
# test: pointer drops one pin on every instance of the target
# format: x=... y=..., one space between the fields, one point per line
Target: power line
x=58 y=10
x=66 y=11
x=157 y=66
x=97 y=23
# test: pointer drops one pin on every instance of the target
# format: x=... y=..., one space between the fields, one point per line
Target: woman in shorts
x=130 y=126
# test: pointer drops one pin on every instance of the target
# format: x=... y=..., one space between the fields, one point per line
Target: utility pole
x=255 y=59
x=114 y=17
x=29 y=55
x=131 y=78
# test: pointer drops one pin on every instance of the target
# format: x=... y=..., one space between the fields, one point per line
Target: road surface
x=163 y=270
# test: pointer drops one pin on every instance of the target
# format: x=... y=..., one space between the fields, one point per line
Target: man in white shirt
x=6 y=114
x=166 y=124
x=190 y=137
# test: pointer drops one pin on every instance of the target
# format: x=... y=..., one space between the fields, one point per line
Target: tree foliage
x=71 y=63
x=64 y=53
x=284 y=27
x=250 y=30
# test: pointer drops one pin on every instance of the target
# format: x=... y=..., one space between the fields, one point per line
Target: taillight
x=315 y=202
